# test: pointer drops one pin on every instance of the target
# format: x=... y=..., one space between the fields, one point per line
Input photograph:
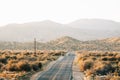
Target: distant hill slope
x=95 y=24
x=112 y=40
x=63 y=40
x=97 y=28
x=45 y=30
x=67 y=43
x=84 y=29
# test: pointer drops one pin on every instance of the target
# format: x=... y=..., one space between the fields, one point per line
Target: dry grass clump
x=99 y=63
x=20 y=62
x=109 y=77
x=3 y=59
x=23 y=66
x=36 y=65
x=87 y=64
x=1 y=65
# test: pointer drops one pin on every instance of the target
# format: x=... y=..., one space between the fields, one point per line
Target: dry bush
x=23 y=66
x=88 y=64
x=24 y=61
x=11 y=67
x=84 y=63
x=107 y=78
x=105 y=69
x=3 y=60
x=115 y=78
x=36 y=66
x=1 y=65
x=11 y=61
x=89 y=72
x=102 y=63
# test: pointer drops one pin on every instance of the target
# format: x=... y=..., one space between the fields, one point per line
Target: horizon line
x=25 y=22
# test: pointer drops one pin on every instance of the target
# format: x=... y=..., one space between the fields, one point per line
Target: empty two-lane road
x=61 y=70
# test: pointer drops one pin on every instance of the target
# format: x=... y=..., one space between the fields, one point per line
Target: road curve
x=61 y=70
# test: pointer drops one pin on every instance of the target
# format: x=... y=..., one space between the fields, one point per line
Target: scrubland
x=21 y=64
x=99 y=65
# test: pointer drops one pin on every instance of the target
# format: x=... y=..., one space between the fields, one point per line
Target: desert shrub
x=1 y=64
x=57 y=54
x=104 y=63
x=11 y=67
x=110 y=54
x=84 y=58
x=118 y=59
x=112 y=59
x=104 y=58
x=98 y=55
x=11 y=61
x=86 y=65
x=13 y=57
x=104 y=54
x=23 y=61
x=2 y=79
x=34 y=67
x=89 y=72
x=40 y=65
x=23 y=66
x=3 y=60
x=31 y=59
x=105 y=69
x=93 y=58
x=115 y=78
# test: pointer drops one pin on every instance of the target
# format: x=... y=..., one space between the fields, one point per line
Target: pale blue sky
x=63 y=11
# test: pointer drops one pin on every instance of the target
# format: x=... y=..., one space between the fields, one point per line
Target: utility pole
x=35 y=45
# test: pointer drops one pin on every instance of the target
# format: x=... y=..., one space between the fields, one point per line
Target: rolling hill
x=84 y=29
x=112 y=40
x=66 y=43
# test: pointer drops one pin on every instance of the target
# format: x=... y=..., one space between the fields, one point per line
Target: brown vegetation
x=67 y=43
x=15 y=64
x=99 y=64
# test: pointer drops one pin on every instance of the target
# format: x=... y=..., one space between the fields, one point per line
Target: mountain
x=84 y=29
x=96 y=24
x=44 y=30
x=97 y=28
x=112 y=40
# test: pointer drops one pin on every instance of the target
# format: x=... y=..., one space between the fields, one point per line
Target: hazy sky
x=63 y=11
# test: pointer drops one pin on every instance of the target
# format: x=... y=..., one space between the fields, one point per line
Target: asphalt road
x=61 y=70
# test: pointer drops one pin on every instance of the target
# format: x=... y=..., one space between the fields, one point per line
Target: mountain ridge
x=48 y=30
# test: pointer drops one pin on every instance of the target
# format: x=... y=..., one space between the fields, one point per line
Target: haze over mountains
x=84 y=29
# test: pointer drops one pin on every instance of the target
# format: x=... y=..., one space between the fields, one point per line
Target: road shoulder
x=77 y=74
